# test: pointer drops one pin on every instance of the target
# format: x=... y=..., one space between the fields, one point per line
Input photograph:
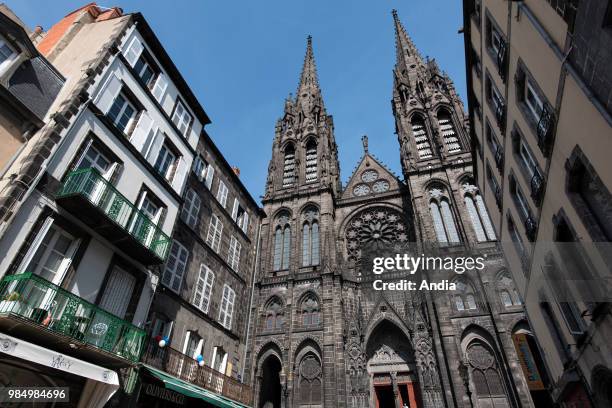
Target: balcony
x=500 y=115
x=537 y=188
x=498 y=196
x=33 y=308
x=96 y=202
x=499 y=159
x=500 y=59
x=545 y=130
x=187 y=369
x=531 y=228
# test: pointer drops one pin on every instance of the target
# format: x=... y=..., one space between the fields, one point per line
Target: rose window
x=377 y=227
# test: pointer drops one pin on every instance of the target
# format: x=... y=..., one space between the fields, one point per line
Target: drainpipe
x=255 y=269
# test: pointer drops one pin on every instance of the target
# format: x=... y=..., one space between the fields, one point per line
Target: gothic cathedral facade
x=315 y=338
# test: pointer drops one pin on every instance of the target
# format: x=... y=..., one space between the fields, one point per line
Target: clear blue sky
x=243 y=58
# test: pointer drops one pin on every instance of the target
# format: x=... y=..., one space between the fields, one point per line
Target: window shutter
x=142 y=130
x=235 y=209
x=245 y=222
x=134 y=51
x=210 y=171
x=109 y=93
x=175 y=267
x=35 y=244
x=158 y=141
x=159 y=89
x=179 y=175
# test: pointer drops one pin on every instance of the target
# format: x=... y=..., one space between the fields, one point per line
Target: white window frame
x=180 y=119
x=210 y=174
x=522 y=201
x=174 y=274
x=203 y=288
x=199 y=167
x=215 y=233
x=527 y=158
x=222 y=192
x=5 y=64
x=226 y=310
x=233 y=254
x=191 y=208
x=529 y=88
x=122 y=111
x=167 y=151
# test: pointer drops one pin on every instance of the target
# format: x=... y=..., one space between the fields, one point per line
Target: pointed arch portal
x=391 y=368
x=270 y=384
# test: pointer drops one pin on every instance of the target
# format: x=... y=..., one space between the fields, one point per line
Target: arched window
x=311 y=314
x=311 y=161
x=421 y=138
x=464 y=299
x=486 y=376
x=447 y=129
x=309 y=381
x=442 y=215
x=282 y=242
x=274 y=314
x=507 y=291
x=289 y=166
x=478 y=213
x=310 y=238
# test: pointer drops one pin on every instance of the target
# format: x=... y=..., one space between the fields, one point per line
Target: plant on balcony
x=14 y=302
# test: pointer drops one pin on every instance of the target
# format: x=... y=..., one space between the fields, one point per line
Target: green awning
x=192 y=391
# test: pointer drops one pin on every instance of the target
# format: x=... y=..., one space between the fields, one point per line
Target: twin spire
x=404 y=47
x=309 y=82
x=308 y=88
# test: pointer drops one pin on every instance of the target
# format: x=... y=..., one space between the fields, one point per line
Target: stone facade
x=176 y=300
x=317 y=336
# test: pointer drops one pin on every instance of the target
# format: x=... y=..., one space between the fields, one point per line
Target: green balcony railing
x=90 y=184
x=55 y=309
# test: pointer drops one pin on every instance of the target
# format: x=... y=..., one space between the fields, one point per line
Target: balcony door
x=105 y=330
x=94 y=158
x=146 y=219
x=52 y=253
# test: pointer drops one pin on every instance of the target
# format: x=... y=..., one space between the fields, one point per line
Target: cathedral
x=318 y=337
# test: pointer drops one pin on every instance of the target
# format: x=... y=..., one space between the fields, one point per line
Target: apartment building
x=540 y=105
x=91 y=202
x=201 y=308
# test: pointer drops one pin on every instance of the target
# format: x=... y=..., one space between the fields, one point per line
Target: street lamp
x=463 y=373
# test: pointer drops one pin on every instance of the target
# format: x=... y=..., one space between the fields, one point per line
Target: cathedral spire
x=309 y=82
x=404 y=47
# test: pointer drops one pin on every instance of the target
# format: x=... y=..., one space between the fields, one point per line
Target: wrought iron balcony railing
x=118 y=210
x=537 y=188
x=40 y=302
x=498 y=196
x=187 y=369
x=531 y=228
x=500 y=114
x=499 y=159
x=501 y=59
x=545 y=129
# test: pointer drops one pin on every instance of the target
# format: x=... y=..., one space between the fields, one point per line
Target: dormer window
x=7 y=53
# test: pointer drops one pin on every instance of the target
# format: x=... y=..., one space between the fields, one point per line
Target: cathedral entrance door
x=270 y=391
x=384 y=396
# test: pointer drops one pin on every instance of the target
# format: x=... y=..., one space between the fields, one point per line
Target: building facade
x=318 y=336
x=540 y=106
x=91 y=203
x=202 y=305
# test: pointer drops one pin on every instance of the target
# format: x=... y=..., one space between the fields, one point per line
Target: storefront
x=23 y=364
x=158 y=389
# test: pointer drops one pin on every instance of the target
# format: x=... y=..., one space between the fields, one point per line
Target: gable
x=370 y=178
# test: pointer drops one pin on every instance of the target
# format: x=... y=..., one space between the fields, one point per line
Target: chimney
x=236 y=170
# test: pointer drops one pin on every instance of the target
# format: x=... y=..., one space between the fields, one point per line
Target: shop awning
x=192 y=391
